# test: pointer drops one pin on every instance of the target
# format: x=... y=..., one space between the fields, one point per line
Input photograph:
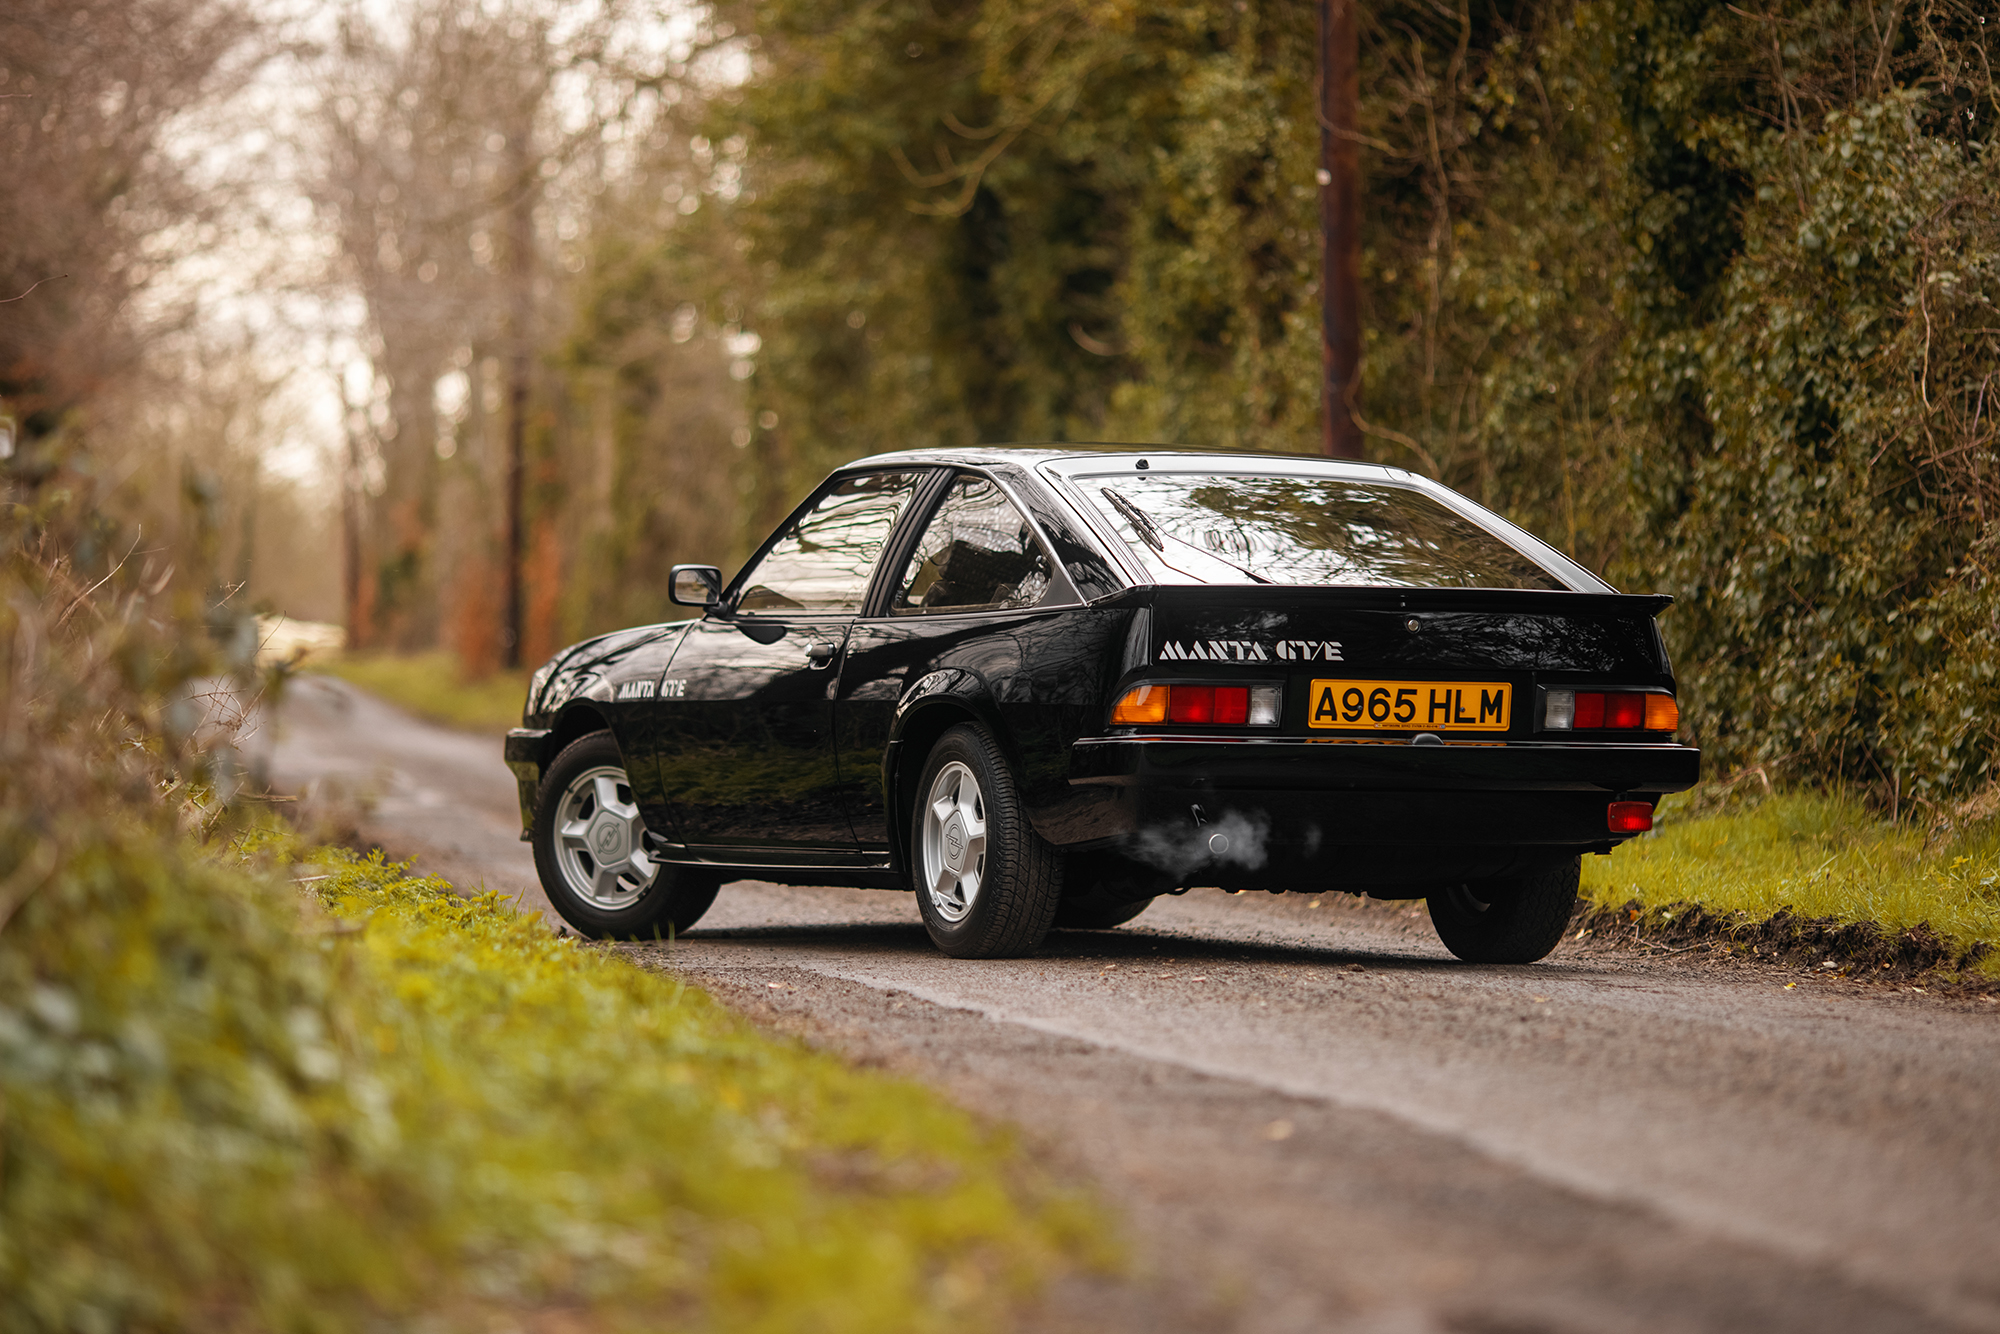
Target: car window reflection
x=1215 y=529
x=822 y=562
x=978 y=554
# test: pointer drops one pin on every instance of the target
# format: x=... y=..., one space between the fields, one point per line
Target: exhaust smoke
x=1178 y=849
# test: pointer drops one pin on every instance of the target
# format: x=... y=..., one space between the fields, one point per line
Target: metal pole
x=1340 y=225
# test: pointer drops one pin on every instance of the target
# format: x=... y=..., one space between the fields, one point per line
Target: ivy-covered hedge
x=1704 y=294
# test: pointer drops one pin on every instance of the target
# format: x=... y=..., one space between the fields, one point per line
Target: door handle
x=819 y=655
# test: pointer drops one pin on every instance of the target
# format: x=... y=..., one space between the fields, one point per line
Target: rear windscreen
x=1206 y=528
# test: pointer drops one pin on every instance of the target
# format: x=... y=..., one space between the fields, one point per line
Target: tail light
x=1607 y=710
x=1629 y=817
x=1199 y=706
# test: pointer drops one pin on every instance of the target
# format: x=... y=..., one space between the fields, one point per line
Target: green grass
x=431 y=686
x=372 y=1103
x=1816 y=855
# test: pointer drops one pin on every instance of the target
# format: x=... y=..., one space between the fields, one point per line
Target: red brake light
x=1232 y=705
x=1624 y=710
x=1629 y=817
x=1191 y=704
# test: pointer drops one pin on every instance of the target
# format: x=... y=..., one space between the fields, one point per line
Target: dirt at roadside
x=1917 y=961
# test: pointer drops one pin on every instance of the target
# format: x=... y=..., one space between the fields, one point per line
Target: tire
x=584 y=815
x=986 y=883
x=1518 y=919
x=1091 y=912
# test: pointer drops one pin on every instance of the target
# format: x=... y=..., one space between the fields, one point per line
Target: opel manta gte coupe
x=1041 y=687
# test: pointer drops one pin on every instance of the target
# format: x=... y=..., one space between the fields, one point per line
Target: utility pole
x=1340 y=225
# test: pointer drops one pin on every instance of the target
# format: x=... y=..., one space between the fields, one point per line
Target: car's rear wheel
x=1518 y=919
x=988 y=886
x=591 y=855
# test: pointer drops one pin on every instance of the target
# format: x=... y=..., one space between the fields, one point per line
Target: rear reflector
x=1589 y=709
x=1190 y=704
x=1581 y=710
x=1199 y=705
x=1629 y=817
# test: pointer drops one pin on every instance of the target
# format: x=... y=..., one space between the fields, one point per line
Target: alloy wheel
x=600 y=845
x=954 y=842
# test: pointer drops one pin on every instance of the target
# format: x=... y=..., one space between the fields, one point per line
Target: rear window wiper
x=1150 y=532
x=1142 y=523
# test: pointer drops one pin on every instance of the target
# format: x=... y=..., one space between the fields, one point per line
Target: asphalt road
x=1312 y=1118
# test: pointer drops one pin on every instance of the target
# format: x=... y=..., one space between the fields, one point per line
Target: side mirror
x=695 y=585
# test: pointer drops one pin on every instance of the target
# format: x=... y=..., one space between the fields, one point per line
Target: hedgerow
x=246 y=1085
x=1704 y=293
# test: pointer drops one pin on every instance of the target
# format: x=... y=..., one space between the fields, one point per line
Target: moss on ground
x=368 y=1101
x=1821 y=858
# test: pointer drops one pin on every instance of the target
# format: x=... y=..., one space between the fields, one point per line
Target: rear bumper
x=1305 y=812
x=1315 y=764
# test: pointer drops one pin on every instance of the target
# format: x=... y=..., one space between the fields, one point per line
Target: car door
x=746 y=749
x=969 y=586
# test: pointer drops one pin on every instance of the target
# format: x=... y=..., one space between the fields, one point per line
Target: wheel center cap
x=954 y=843
x=608 y=840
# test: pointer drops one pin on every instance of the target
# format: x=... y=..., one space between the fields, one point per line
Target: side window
x=978 y=554
x=822 y=561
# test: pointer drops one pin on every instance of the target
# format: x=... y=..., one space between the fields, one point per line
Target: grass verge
x=371 y=1102
x=1809 y=876
x=431 y=686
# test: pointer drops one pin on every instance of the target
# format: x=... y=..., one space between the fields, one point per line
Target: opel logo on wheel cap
x=610 y=840
x=954 y=843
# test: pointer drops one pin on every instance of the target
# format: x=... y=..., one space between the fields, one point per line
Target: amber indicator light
x=1142 y=704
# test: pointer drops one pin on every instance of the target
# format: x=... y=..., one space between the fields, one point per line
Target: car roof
x=1066 y=461
x=1065 y=457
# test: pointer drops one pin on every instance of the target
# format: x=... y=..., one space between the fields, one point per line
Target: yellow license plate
x=1412 y=706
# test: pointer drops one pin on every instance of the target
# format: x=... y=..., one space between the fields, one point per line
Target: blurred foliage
x=1702 y=294
x=242 y=1088
x=434 y=686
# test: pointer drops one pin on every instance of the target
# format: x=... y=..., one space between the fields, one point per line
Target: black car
x=1041 y=687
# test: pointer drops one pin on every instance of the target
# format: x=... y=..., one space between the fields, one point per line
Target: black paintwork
x=787 y=746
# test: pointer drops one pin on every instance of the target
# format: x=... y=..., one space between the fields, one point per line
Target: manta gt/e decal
x=1251 y=650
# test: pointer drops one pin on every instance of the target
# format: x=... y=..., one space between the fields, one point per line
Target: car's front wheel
x=988 y=886
x=1518 y=919
x=590 y=852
